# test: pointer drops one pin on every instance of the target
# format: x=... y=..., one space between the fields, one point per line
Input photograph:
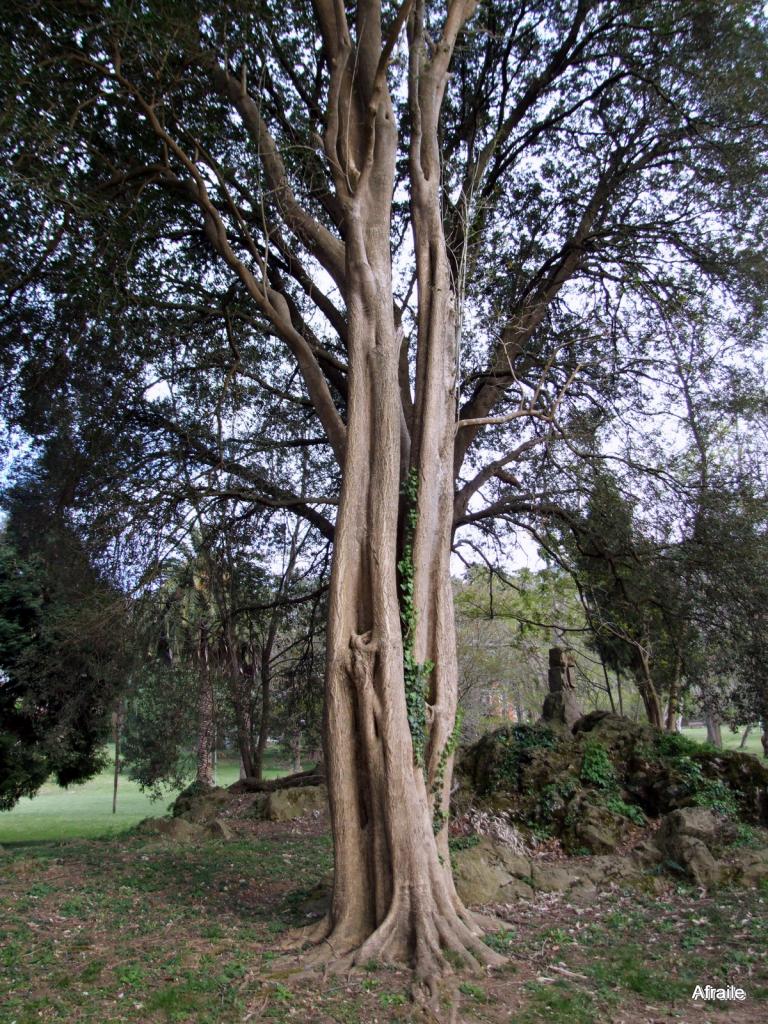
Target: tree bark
x=647 y=689
x=745 y=737
x=267 y=653
x=205 y=725
x=257 y=767
x=393 y=895
x=117 y=719
x=714 y=732
x=674 y=700
x=296 y=751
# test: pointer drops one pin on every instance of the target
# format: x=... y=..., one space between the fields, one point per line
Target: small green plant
x=557 y=936
x=704 y=791
x=440 y=816
x=555 y=796
x=674 y=744
x=282 y=993
x=473 y=991
x=629 y=811
x=596 y=766
x=746 y=836
x=92 y=970
x=502 y=941
x=391 y=999
x=131 y=974
x=515 y=748
x=462 y=843
x=416 y=675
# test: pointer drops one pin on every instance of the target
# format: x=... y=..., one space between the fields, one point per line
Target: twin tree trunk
x=393 y=896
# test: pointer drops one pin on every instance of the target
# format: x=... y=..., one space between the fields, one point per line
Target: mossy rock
x=201 y=804
x=591 y=827
x=177 y=829
x=498 y=761
x=586 y=786
x=296 y=802
x=488 y=872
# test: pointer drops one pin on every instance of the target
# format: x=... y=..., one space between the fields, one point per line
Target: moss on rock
x=587 y=786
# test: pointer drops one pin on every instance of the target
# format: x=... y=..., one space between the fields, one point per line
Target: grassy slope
x=85 y=811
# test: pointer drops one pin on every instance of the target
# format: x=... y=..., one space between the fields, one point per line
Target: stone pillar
x=561 y=708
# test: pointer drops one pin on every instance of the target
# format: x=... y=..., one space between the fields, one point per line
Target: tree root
x=435 y=947
x=489 y=922
x=311 y=777
x=313 y=933
x=431 y=944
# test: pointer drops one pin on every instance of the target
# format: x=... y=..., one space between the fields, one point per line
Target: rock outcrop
x=295 y=802
x=201 y=804
x=588 y=786
x=176 y=829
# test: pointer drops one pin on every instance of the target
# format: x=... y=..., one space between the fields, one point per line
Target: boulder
x=751 y=867
x=258 y=806
x=201 y=804
x=698 y=822
x=647 y=853
x=171 y=828
x=285 y=804
x=490 y=873
x=592 y=827
x=219 y=829
x=607 y=870
x=555 y=878
x=683 y=839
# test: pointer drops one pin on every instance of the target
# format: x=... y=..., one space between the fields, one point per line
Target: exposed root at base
x=432 y=946
x=489 y=923
x=430 y=995
x=295 y=938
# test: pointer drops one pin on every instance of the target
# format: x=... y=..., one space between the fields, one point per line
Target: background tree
x=64 y=652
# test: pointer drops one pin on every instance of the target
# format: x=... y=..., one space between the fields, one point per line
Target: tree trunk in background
x=650 y=701
x=714 y=734
x=764 y=739
x=241 y=703
x=674 y=700
x=268 y=650
x=117 y=722
x=608 y=689
x=205 y=726
x=266 y=711
x=647 y=689
x=296 y=751
x=745 y=737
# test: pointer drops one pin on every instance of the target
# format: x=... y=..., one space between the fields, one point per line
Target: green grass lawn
x=85 y=811
x=731 y=740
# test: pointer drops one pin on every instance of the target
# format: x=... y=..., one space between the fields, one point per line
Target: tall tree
x=470 y=228
x=64 y=651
